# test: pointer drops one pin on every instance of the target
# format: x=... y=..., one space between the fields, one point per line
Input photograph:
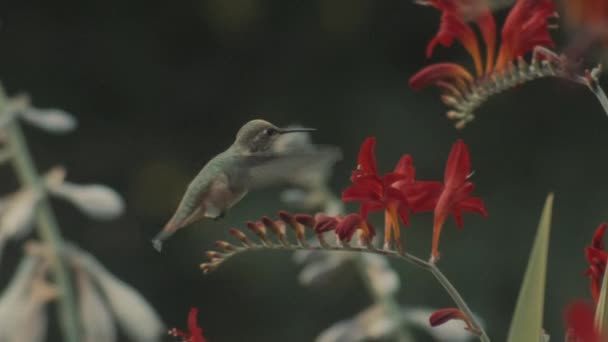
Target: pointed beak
x=296 y=130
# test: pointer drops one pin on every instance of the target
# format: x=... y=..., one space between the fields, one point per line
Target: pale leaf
x=527 y=322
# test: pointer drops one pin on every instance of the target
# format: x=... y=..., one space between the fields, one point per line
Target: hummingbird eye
x=270 y=131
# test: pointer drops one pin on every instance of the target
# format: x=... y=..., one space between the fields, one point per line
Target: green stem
x=387 y=301
x=601 y=96
x=48 y=228
x=412 y=259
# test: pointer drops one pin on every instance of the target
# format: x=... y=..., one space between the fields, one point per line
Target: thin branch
x=47 y=224
x=385 y=300
x=543 y=64
x=229 y=250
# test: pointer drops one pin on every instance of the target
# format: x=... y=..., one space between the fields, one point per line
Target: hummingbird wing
x=305 y=168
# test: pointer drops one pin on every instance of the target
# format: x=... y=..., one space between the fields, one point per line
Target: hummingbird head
x=259 y=135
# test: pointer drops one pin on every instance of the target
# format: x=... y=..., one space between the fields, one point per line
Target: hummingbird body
x=251 y=161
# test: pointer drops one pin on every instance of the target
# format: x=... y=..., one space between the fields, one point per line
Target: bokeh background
x=159 y=87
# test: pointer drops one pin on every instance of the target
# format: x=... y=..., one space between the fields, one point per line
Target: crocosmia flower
x=525 y=28
x=580 y=326
x=455 y=197
x=597 y=257
x=395 y=193
x=194 y=333
x=442 y=316
x=589 y=15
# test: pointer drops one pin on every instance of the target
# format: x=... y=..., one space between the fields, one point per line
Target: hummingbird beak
x=296 y=130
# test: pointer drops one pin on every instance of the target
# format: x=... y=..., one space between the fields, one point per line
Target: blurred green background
x=159 y=87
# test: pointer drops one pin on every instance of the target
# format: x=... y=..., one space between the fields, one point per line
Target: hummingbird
x=257 y=158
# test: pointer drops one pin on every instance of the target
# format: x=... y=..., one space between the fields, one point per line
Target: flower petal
x=474 y=205
x=442 y=316
x=458 y=166
x=52 y=120
x=196 y=333
x=453 y=27
x=434 y=73
x=579 y=320
x=422 y=196
x=367 y=157
x=97 y=201
x=348 y=225
x=18 y=218
x=598 y=236
x=525 y=27
x=97 y=321
x=133 y=313
x=487 y=26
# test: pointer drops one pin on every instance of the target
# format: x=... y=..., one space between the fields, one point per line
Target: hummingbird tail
x=168 y=230
x=157 y=244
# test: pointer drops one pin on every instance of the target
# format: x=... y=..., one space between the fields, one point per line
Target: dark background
x=159 y=87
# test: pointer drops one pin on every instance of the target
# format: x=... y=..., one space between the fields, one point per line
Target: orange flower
x=454 y=198
x=525 y=28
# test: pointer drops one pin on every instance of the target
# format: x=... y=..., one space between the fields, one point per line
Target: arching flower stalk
x=271 y=234
x=526 y=30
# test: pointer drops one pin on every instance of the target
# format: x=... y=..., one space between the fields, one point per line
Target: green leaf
x=527 y=322
x=601 y=312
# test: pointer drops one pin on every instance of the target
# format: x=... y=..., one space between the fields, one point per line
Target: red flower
x=588 y=15
x=597 y=258
x=454 y=198
x=347 y=227
x=394 y=193
x=442 y=316
x=580 y=325
x=454 y=18
x=194 y=334
x=525 y=27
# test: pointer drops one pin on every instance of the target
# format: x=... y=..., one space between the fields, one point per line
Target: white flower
x=97 y=201
x=32 y=317
x=14 y=294
x=97 y=322
x=52 y=120
x=17 y=215
x=382 y=277
x=22 y=305
x=136 y=317
x=320 y=267
x=372 y=323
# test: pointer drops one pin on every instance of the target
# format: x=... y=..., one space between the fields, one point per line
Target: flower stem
x=457 y=298
x=387 y=301
x=47 y=224
x=601 y=96
x=428 y=266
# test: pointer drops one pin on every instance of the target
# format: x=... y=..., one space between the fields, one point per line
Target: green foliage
x=601 y=312
x=527 y=321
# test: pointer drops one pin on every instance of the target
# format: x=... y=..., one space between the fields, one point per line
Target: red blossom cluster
x=579 y=317
x=398 y=194
x=194 y=333
x=589 y=15
x=525 y=27
x=596 y=257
